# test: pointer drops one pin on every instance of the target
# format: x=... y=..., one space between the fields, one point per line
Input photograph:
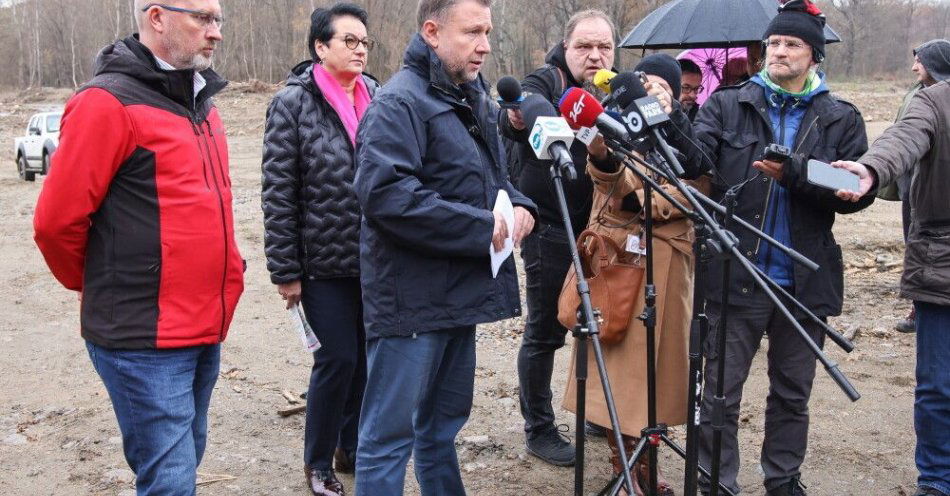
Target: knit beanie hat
x=664 y=66
x=801 y=19
x=934 y=55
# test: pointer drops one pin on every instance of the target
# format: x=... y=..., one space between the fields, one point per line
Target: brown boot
x=629 y=444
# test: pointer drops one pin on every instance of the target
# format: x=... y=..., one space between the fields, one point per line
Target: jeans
x=791 y=371
x=932 y=396
x=418 y=396
x=160 y=398
x=335 y=312
x=547 y=258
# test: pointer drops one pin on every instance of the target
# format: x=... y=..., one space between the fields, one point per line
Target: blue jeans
x=161 y=399
x=932 y=403
x=418 y=396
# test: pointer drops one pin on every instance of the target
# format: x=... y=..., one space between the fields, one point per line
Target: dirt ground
x=58 y=434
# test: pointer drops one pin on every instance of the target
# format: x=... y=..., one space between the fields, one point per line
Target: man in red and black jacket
x=136 y=216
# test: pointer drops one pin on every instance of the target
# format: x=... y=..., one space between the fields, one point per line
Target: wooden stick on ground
x=286 y=412
x=214 y=478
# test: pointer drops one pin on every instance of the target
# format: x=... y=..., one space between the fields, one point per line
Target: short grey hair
x=137 y=13
x=437 y=9
x=583 y=15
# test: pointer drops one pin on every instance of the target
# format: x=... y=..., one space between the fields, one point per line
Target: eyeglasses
x=352 y=42
x=692 y=89
x=205 y=19
x=790 y=45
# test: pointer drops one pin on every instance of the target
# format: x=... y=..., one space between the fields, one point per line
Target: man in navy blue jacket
x=430 y=166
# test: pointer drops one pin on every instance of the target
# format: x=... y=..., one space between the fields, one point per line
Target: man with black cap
x=787 y=103
x=920 y=142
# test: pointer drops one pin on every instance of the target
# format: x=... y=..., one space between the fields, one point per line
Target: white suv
x=33 y=151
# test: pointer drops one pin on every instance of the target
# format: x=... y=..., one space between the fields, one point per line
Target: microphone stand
x=587 y=328
x=717 y=238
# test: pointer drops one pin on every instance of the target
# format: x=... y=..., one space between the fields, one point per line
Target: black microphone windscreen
x=626 y=88
x=509 y=89
x=535 y=106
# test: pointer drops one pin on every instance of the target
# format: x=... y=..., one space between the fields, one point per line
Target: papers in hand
x=304 y=331
x=507 y=211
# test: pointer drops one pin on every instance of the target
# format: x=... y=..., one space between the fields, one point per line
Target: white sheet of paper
x=503 y=205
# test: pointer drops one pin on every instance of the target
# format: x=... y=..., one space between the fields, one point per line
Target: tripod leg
x=580 y=375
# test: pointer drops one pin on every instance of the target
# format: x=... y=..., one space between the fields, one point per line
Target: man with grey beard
x=135 y=215
x=589 y=45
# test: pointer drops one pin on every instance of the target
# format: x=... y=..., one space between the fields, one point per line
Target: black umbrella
x=706 y=23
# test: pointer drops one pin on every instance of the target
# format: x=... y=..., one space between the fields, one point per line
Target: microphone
x=550 y=136
x=644 y=112
x=602 y=79
x=616 y=86
x=581 y=109
x=509 y=93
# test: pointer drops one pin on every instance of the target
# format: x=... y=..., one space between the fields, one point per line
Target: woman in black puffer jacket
x=311 y=227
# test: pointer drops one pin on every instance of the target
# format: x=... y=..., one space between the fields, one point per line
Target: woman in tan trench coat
x=617 y=214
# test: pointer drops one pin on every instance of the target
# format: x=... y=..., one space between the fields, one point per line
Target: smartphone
x=824 y=175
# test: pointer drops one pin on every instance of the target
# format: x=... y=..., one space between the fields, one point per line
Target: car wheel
x=45 y=163
x=21 y=169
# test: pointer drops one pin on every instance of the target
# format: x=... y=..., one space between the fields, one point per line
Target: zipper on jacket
x=204 y=165
x=224 y=230
x=214 y=141
x=768 y=194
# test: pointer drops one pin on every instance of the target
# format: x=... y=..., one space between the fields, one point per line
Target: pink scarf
x=350 y=113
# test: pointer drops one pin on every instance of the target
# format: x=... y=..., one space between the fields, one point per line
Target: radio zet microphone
x=550 y=137
x=581 y=109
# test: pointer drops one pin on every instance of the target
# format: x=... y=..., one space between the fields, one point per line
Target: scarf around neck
x=811 y=84
x=350 y=113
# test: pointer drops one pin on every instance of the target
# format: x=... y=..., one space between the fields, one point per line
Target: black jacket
x=311 y=216
x=534 y=179
x=430 y=165
x=733 y=128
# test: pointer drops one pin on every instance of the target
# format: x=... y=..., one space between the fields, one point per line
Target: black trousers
x=791 y=371
x=335 y=312
x=547 y=258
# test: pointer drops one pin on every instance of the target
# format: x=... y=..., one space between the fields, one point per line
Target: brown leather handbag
x=614 y=285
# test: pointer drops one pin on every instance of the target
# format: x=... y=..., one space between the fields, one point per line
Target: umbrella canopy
x=706 y=23
x=712 y=62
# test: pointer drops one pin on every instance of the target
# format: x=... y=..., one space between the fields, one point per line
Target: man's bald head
x=183 y=33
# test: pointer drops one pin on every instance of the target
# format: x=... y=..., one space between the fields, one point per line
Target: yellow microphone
x=602 y=80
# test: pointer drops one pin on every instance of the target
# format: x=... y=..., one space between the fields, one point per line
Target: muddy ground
x=58 y=434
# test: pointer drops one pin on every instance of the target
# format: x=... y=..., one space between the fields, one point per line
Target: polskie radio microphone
x=509 y=93
x=581 y=109
x=550 y=137
x=643 y=113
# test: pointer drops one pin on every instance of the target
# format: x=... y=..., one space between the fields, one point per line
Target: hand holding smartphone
x=824 y=175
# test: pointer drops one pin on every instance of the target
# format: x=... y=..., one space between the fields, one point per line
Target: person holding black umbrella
x=786 y=103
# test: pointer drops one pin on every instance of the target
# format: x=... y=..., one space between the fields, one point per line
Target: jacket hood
x=131 y=58
x=935 y=57
x=557 y=57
